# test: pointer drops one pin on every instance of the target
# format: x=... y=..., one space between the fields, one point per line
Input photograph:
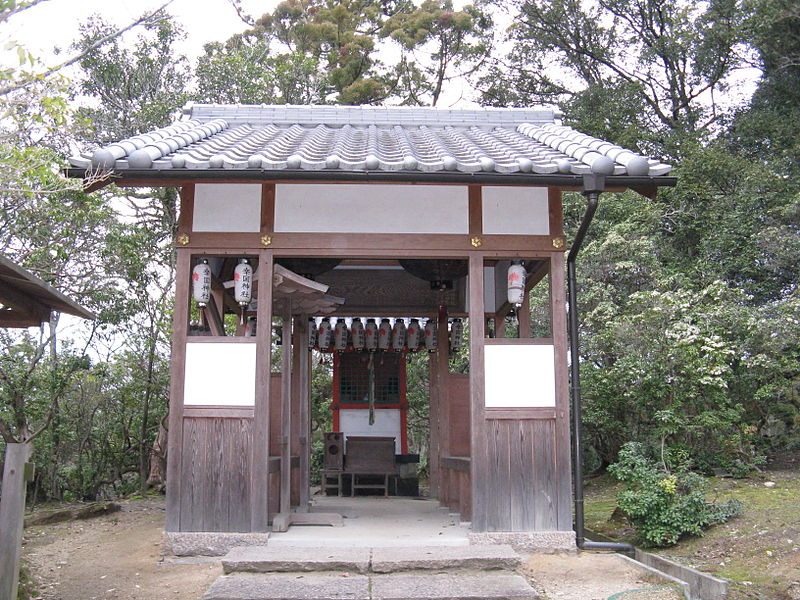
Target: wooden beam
x=25 y=303
x=346 y=243
x=12 y=318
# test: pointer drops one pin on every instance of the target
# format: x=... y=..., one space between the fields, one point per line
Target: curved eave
x=177 y=177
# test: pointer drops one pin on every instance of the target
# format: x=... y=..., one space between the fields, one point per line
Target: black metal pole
x=593 y=186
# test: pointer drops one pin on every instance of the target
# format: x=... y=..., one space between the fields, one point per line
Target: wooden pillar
x=301 y=426
x=286 y=412
x=443 y=358
x=524 y=316
x=558 y=323
x=259 y=452
x=478 y=451
x=12 y=516
x=180 y=326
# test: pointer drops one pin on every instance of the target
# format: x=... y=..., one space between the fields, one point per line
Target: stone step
x=391 y=560
x=316 y=586
x=267 y=559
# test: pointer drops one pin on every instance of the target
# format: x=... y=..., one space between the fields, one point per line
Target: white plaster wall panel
x=520 y=376
x=220 y=374
x=227 y=207
x=367 y=208
x=387 y=424
x=515 y=210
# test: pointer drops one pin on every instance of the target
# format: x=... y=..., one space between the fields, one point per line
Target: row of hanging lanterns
x=383 y=336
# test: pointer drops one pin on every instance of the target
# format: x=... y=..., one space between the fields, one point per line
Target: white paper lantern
x=516 y=284
x=399 y=335
x=384 y=334
x=312 y=333
x=340 y=335
x=431 y=339
x=413 y=335
x=324 y=334
x=201 y=283
x=357 y=334
x=243 y=283
x=371 y=335
x=456 y=334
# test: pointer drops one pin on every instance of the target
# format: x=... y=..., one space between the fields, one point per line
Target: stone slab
x=529 y=541
x=246 y=586
x=201 y=543
x=391 y=560
x=447 y=586
x=268 y=559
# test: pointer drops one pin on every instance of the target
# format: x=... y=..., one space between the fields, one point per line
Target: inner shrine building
x=365 y=235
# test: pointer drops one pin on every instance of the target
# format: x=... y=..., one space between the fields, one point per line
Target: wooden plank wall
x=458 y=406
x=521 y=461
x=215 y=478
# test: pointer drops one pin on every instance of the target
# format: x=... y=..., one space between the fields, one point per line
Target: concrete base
x=528 y=541
x=203 y=543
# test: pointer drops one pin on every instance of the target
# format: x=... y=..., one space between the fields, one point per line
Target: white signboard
x=387 y=424
x=520 y=376
x=220 y=374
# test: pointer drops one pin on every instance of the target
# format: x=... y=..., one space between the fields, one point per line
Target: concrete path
x=373 y=522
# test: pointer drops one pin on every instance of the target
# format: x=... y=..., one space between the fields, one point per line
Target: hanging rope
x=371 y=388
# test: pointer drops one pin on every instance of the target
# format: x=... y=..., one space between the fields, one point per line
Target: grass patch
x=758 y=551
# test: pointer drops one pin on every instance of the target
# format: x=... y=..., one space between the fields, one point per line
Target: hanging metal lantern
x=384 y=334
x=312 y=334
x=431 y=339
x=456 y=334
x=516 y=283
x=324 y=334
x=243 y=285
x=358 y=334
x=201 y=283
x=413 y=335
x=371 y=335
x=399 y=335
x=340 y=335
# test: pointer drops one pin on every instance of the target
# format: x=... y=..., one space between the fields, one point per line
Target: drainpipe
x=593 y=186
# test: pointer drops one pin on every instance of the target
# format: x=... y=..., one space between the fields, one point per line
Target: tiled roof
x=370 y=138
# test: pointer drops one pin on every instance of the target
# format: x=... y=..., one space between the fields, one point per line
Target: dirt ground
x=589 y=576
x=118 y=557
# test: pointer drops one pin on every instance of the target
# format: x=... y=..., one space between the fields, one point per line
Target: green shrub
x=664 y=506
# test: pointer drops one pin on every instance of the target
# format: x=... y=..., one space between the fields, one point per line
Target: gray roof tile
x=373 y=138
